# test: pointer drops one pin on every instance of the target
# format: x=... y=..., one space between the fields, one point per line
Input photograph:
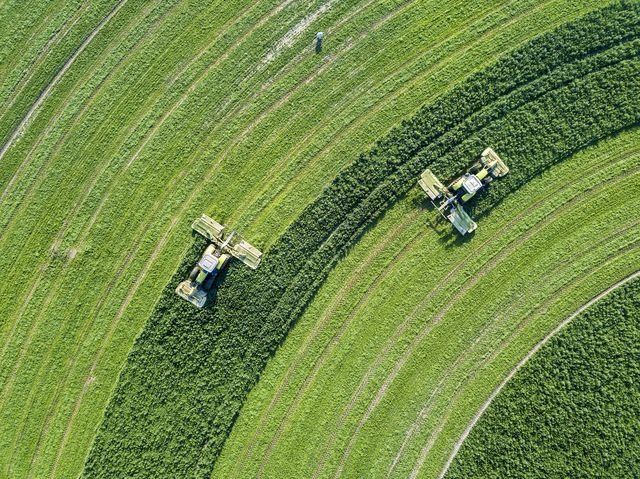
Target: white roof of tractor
x=208 y=262
x=471 y=184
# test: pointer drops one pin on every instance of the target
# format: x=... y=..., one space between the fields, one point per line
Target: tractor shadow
x=447 y=236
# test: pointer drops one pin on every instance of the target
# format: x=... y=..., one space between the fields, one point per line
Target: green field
x=122 y=121
x=587 y=371
x=406 y=339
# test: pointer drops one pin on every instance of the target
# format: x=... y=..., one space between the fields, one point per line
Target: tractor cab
x=209 y=261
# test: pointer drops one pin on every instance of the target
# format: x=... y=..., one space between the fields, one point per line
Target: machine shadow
x=440 y=226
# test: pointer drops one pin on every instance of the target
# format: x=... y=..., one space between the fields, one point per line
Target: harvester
x=222 y=247
x=462 y=189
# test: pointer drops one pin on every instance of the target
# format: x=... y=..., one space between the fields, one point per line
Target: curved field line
x=328 y=349
x=45 y=93
x=485 y=269
x=76 y=119
x=350 y=283
x=122 y=268
x=132 y=291
x=402 y=328
x=175 y=78
x=430 y=403
x=40 y=175
x=88 y=102
x=524 y=360
x=57 y=239
x=407 y=86
x=28 y=74
x=460 y=388
x=86 y=230
x=18 y=314
x=239 y=107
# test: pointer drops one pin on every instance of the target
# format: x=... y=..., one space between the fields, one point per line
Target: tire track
x=362 y=119
x=42 y=268
x=47 y=91
x=472 y=374
x=27 y=75
x=333 y=305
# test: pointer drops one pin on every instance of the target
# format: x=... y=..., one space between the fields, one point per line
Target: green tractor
x=462 y=189
x=223 y=246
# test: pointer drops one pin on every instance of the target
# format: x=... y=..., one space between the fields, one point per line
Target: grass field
x=411 y=331
x=586 y=371
x=121 y=121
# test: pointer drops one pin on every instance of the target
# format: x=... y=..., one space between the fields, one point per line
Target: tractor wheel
x=194 y=273
x=208 y=283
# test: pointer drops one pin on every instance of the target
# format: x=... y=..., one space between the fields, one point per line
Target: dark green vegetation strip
x=573 y=410
x=190 y=371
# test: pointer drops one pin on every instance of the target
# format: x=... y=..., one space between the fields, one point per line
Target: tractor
x=221 y=248
x=452 y=198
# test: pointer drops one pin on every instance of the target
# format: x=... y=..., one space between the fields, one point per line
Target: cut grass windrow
x=322 y=416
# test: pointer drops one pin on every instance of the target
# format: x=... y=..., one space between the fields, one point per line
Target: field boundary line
x=40 y=56
x=422 y=414
x=388 y=99
x=317 y=329
x=524 y=360
x=343 y=105
x=525 y=321
x=330 y=346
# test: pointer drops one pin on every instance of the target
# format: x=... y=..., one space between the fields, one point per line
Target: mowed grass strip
x=510 y=306
x=173 y=324
x=79 y=125
x=39 y=38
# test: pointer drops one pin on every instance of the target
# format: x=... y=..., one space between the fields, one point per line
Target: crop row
x=584 y=384
x=55 y=30
x=37 y=341
x=193 y=369
x=113 y=113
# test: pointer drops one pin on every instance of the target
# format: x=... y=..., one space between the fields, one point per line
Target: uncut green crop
x=572 y=411
x=190 y=371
